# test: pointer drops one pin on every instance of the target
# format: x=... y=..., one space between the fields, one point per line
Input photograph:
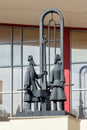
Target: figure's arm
x=39 y=76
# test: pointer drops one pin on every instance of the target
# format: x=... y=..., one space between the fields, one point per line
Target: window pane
x=5 y=35
x=5 y=55
x=16 y=34
x=16 y=54
x=16 y=103
x=52 y=54
x=6 y=103
x=79 y=45
x=30 y=34
x=79 y=104
x=31 y=50
x=76 y=76
x=79 y=70
x=84 y=97
x=5 y=79
x=16 y=78
x=51 y=33
x=75 y=103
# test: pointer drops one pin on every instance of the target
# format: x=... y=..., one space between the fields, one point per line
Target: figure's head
x=57 y=58
x=31 y=61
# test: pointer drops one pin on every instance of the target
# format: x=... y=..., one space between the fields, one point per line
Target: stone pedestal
x=45 y=123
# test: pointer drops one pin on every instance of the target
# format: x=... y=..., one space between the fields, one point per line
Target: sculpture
x=30 y=83
x=45 y=94
x=57 y=82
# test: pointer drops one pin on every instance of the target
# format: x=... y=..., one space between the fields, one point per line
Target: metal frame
x=42 y=55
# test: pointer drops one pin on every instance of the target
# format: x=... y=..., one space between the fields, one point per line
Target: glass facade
x=79 y=73
x=16 y=43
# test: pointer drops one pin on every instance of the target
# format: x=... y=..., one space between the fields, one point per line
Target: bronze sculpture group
x=49 y=94
x=34 y=92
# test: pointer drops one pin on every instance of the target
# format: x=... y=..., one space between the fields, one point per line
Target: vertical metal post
x=62 y=41
x=11 y=73
x=21 y=98
x=84 y=87
x=80 y=99
x=41 y=48
x=49 y=43
x=49 y=51
x=55 y=38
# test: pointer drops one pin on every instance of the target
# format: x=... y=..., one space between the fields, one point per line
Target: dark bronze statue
x=46 y=93
x=57 y=81
x=30 y=83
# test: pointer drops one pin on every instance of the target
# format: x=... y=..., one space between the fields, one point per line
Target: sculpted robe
x=57 y=79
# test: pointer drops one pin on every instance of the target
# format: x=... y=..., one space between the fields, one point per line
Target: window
x=16 y=43
x=79 y=75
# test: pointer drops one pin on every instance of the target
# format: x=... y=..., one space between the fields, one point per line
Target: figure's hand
x=50 y=86
x=26 y=87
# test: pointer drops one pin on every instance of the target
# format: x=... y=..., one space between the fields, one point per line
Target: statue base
x=44 y=113
x=66 y=122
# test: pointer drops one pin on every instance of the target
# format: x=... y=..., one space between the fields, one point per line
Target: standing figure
x=57 y=81
x=30 y=85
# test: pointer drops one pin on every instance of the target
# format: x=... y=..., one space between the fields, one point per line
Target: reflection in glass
x=16 y=78
x=16 y=103
x=84 y=96
x=75 y=75
x=31 y=50
x=75 y=103
x=5 y=55
x=79 y=59
x=6 y=103
x=12 y=59
x=5 y=78
x=79 y=97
